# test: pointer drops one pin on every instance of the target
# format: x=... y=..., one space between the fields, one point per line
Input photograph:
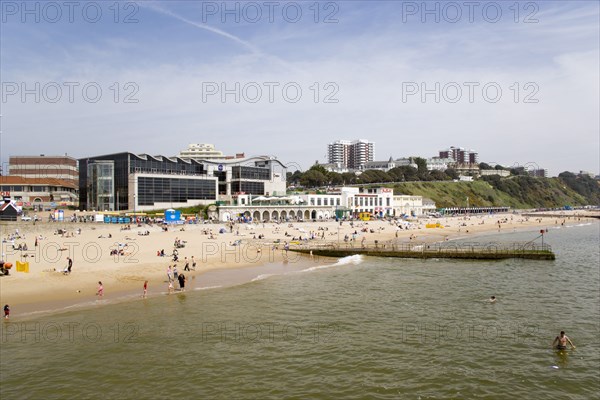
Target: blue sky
x=366 y=57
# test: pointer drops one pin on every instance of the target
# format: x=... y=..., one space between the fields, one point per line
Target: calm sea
x=357 y=328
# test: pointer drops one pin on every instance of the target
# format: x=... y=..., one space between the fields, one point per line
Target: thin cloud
x=169 y=13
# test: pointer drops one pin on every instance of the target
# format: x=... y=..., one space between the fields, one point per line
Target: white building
x=343 y=202
x=350 y=201
x=439 y=164
x=408 y=205
x=500 y=172
x=405 y=162
x=201 y=151
x=384 y=166
x=337 y=167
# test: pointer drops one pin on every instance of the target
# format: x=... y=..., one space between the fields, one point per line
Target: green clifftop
x=515 y=192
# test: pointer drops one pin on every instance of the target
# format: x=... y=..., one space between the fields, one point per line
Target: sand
x=121 y=275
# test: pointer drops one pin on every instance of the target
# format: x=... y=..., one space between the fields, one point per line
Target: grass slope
x=517 y=192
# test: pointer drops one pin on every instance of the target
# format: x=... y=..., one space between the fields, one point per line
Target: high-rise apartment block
x=460 y=155
x=350 y=154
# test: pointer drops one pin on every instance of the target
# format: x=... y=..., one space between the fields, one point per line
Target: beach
x=242 y=246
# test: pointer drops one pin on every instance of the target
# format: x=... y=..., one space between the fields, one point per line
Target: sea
x=350 y=328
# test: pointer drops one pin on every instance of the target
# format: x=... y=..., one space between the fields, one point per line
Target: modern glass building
x=127 y=181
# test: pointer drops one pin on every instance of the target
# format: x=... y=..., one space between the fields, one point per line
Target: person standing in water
x=560 y=342
x=145 y=289
x=100 y=291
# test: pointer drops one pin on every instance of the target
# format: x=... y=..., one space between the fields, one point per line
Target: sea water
x=353 y=328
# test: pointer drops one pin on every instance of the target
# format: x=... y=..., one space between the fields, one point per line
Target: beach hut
x=8 y=211
x=172 y=216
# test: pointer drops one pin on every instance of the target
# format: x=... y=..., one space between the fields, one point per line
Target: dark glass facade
x=174 y=190
x=243 y=172
x=129 y=163
x=248 y=187
x=87 y=194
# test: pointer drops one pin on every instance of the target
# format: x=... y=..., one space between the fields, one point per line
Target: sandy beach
x=242 y=246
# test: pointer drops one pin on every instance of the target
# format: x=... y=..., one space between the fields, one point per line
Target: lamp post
x=542 y=232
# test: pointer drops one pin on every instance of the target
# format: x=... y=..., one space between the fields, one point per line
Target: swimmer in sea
x=560 y=342
x=493 y=299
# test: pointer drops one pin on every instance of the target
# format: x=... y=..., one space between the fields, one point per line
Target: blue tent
x=172 y=216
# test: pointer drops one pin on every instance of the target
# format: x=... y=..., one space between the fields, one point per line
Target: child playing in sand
x=6 y=311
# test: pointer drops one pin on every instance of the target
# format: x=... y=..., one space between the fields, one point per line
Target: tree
x=403 y=173
x=483 y=165
x=374 y=176
x=313 y=178
x=452 y=174
x=348 y=178
x=294 y=178
x=421 y=164
x=320 y=168
x=438 y=175
x=335 y=178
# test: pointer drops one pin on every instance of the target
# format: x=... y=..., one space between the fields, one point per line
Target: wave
x=261 y=277
x=355 y=260
x=208 y=287
x=577 y=225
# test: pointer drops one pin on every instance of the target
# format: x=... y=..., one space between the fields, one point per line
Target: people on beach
x=175 y=272
x=100 y=291
x=145 y=289
x=67 y=270
x=6 y=311
x=171 y=288
x=193 y=263
x=170 y=274
x=187 y=264
x=181 y=279
x=560 y=342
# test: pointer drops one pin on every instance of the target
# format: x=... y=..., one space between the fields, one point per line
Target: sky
x=518 y=82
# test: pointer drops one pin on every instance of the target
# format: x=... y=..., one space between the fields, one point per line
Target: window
x=240 y=172
x=166 y=190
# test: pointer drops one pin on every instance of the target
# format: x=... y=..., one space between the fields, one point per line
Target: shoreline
x=42 y=292
x=213 y=279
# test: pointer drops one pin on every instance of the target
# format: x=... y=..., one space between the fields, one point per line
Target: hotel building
x=204 y=151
